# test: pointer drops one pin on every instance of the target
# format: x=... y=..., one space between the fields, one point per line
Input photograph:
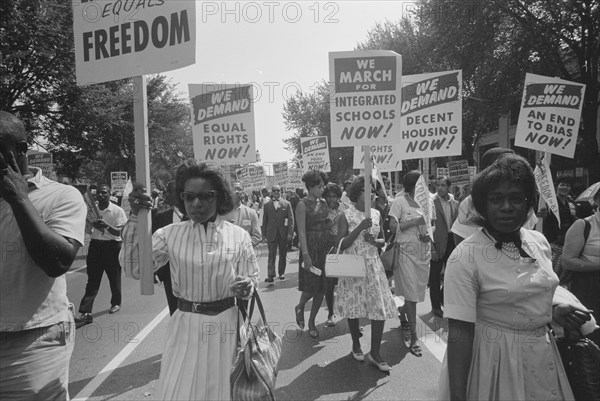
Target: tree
x=307 y=114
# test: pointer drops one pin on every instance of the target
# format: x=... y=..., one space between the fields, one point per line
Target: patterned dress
x=317 y=240
x=368 y=297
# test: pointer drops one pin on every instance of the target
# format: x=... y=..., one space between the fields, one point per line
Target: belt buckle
x=197 y=307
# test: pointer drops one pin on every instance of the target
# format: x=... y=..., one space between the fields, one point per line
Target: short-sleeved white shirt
x=29 y=298
x=113 y=215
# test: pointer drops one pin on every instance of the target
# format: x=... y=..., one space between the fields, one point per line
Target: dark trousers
x=435 y=270
x=164 y=275
x=281 y=243
x=103 y=256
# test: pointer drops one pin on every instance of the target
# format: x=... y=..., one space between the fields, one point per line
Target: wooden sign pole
x=368 y=168
x=142 y=172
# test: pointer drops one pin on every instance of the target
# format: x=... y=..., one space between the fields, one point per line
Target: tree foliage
x=307 y=114
x=88 y=129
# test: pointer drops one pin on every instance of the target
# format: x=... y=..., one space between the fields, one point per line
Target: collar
x=36 y=180
x=217 y=224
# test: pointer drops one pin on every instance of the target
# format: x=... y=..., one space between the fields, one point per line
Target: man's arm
x=290 y=221
x=264 y=220
x=255 y=233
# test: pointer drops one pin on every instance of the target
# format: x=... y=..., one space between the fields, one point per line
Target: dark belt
x=206 y=308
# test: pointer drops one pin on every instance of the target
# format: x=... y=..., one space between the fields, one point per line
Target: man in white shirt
x=243 y=216
x=103 y=255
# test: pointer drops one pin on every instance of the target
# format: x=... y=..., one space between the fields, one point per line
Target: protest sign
x=442 y=172
x=431 y=115
x=252 y=178
x=424 y=201
x=543 y=180
x=118 y=180
x=295 y=178
x=42 y=160
x=458 y=172
x=365 y=97
x=223 y=123
x=315 y=153
x=280 y=173
x=386 y=157
x=550 y=115
x=123 y=39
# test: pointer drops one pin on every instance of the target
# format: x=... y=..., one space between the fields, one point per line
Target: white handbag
x=345 y=265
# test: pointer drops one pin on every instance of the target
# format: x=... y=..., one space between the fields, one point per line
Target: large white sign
x=431 y=115
x=550 y=115
x=223 y=123
x=385 y=157
x=365 y=97
x=127 y=38
x=315 y=153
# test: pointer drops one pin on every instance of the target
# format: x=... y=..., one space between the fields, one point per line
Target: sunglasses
x=206 y=196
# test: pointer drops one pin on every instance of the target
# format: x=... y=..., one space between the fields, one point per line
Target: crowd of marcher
x=485 y=267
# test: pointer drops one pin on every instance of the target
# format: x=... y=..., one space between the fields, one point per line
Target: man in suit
x=294 y=200
x=446 y=210
x=278 y=230
x=159 y=220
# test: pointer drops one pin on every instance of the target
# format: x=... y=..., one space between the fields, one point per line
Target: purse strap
x=256 y=300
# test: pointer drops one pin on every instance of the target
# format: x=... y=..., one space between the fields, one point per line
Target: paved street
x=118 y=356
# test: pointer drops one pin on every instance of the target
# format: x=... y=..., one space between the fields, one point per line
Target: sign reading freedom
x=127 y=38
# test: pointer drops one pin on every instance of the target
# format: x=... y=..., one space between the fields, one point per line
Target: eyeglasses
x=514 y=200
x=276 y=190
x=206 y=196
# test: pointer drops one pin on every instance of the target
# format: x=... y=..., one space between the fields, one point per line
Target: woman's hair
x=311 y=178
x=192 y=168
x=332 y=189
x=511 y=168
x=410 y=180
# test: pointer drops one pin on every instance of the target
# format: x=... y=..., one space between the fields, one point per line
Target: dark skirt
x=318 y=243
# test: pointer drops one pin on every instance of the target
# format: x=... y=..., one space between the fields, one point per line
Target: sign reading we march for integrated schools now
x=223 y=123
x=315 y=154
x=122 y=39
x=550 y=115
x=386 y=157
x=365 y=98
x=431 y=115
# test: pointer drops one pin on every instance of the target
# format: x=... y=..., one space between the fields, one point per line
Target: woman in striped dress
x=212 y=262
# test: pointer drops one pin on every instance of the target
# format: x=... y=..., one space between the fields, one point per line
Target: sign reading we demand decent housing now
x=431 y=115
x=550 y=115
x=127 y=38
x=223 y=123
x=365 y=99
x=315 y=154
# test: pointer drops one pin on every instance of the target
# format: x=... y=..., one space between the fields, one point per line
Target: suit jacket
x=274 y=221
x=440 y=235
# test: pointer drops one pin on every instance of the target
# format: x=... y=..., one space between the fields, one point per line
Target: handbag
x=388 y=257
x=254 y=370
x=345 y=265
x=581 y=360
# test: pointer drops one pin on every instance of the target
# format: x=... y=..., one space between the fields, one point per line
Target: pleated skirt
x=198 y=356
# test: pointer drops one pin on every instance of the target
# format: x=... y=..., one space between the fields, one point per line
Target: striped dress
x=199 y=350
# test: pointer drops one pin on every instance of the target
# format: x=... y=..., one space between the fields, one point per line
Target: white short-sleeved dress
x=510 y=302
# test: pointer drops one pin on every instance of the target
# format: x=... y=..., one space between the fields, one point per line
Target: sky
x=279 y=47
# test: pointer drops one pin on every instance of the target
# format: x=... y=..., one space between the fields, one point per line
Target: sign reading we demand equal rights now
x=123 y=39
x=431 y=115
x=365 y=98
x=550 y=115
x=315 y=154
x=223 y=123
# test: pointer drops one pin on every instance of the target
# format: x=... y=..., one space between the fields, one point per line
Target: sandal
x=299 y=317
x=313 y=332
x=416 y=350
x=330 y=322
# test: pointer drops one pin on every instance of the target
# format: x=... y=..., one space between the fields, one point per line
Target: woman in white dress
x=498 y=298
x=368 y=297
x=212 y=263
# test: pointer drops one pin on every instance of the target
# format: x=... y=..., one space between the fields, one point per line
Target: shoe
x=269 y=280
x=282 y=277
x=299 y=317
x=382 y=366
x=437 y=312
x=359 y=356
x=416 y=350
x=114 y=309
x=330 y=322
x=313 y=332
x=83 y=319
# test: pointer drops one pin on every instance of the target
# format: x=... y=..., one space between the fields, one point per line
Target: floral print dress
x=368 y=297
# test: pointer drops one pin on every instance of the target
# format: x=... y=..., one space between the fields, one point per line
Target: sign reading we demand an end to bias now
x=365 y=97
x=431 y=115
x=127 y=38
x=550 y=115
x=315 y=154
x=223 y=123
